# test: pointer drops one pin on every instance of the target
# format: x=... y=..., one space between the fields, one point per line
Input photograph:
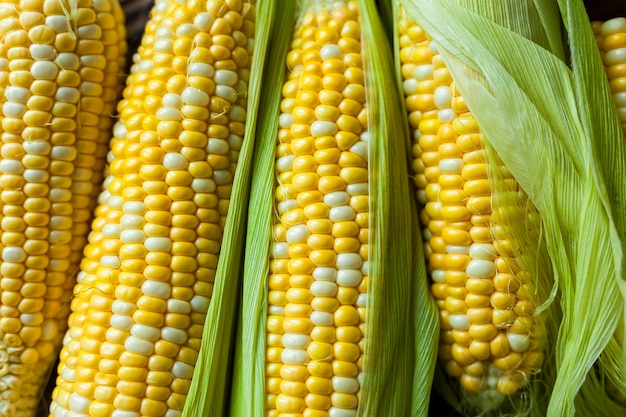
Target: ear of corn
x=611 y=39
x=496 y=70
x=326 y=300
x=60 y=66
x=490 y=338
x=214 y=365
x=149 y=272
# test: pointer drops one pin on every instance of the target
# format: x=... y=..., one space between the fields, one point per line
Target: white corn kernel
x=137 y=345
x=341 y=213
x=174 y=335
x=203 y=21
x=123 y=413
x=121 y=322
x=349 y=260
x=132 y=236
x=345 y=385
x=280 y=250
x=457 y=249
x=11 y=109
x=443 y=97
x=172 y=100
x=111 y=230
x=149 y=333
x=330 y=51
x=458 y=321
x=482 y=251
x=178 y=306
x=16 y=95
x=285 y=121
x=158 y=244
x=195 y=97
x=110 y=261
x=341 y=412
x=325 y=273
x=44 y=70
x=323 y=288
x=296 y=341
x=518 y=342
x=294 y=356
x=174 y=161
x=226 y=77
x=202 y=69
x=200 y=303
x=203 y=185
x=123 y=307
x=479 y=268
x=323 y=128
x=297 y=234
x=349 y=277
x=409 y=86
x=131 y=221
x=217 y=146
x=322 y=318
x=182 y=370
x=10 y=166
x=358 y=188
x=446 y=115
x=169 y=113
x=451 y=165
x=337 y=198
x=422 y=72
x=226 y=92
x=134 y=207
x=68 y=61
x=158 y=289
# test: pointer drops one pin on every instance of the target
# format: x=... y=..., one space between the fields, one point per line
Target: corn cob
x=319 y=265
x=489 y=337
x=146 y=279
x=611 y=40
x=60 y=65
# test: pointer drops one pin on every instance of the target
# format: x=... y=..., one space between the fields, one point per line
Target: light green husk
x=394 y=281
x=248 y=390
x=401 y=323
x=556 y=129
x=209 y=391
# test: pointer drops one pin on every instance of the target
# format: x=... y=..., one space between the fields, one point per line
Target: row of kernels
x=278 y=284
x=611 y=39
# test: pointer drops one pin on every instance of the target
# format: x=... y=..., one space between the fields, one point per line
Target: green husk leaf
x=560 y=139
x=425 y=320
x=603 y=130
x=248 y=392
x=398 y=299
x=425 y=315
x=209 y=388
